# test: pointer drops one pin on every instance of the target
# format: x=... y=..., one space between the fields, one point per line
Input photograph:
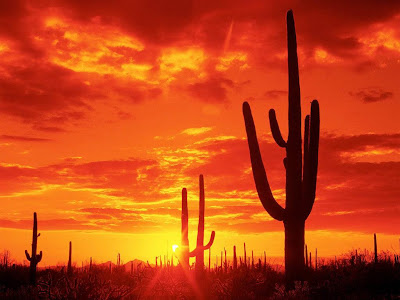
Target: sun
x=174 y=247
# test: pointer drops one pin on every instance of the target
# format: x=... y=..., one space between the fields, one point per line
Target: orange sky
x=109 y=109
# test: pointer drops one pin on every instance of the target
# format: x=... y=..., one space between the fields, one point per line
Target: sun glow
x=174 y=247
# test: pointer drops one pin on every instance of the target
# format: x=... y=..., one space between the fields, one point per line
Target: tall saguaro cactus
x=300 y=179
x=198 y=252
x=34 y=258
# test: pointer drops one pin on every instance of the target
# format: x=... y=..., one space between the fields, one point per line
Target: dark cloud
x=49 y=224
x=23 y=138
x=118 y=175
x=41 y=93
x=371 y=95
x=213 y=90
x=156 y=21
x=274 y=94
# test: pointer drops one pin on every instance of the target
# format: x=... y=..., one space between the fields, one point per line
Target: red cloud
x=372 y=95
x=42 y=93
x=211 y=90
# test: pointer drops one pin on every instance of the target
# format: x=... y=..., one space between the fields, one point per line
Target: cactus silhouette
x=375 y=249
x=245 y=259
x=34 y=258
x=69 y=268
x=306 y=255
x=300 y=180
x=234 y=258
x=198 y=252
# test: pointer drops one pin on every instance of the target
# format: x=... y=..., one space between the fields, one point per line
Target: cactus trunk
x=265 y=260
x=34 y=258
x=184 y=231
x=306 y=255
x=69 y=269
x=209 y=259
x=244 y=249
x=226 y=262
x=234 y=258
x=294 y=245
x=200 y=228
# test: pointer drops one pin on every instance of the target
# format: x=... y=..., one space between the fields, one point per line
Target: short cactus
x=69 y=268
x=234 y=258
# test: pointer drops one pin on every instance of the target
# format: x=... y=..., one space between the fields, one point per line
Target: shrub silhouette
x=300 y=180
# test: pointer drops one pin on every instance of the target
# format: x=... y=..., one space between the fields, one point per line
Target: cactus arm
x=306 y=137
x=28 y=257
x=203 y=248
x=306 y=158
x=313 y=158
x=259 y=174
x=211 y=241
x=276 y=133
x=39 y=257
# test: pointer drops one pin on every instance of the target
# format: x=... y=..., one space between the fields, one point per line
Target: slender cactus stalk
x=226 y=263
x=245 y=259
x=306 y=255
x=265 y=260
x=69 y=269
x=209 y=259
x=184 y=231
x=375 y=249
x=301 y=179
x=356 y=256
x=234 y=258
x=34 y=258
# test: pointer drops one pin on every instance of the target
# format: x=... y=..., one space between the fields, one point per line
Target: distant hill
x=135 y=263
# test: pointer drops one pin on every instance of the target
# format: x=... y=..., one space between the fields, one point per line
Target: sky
x=110 y=108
